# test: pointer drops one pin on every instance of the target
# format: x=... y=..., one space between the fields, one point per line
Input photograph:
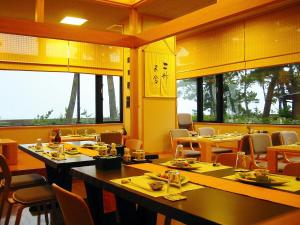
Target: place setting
x=169 y=184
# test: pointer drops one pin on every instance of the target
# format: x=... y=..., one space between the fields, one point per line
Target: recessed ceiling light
x=73 y=20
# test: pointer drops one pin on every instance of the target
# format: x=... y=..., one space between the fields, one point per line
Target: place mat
x=267 y=194
x=140 y=184
x=203 y=167
x=292 y=185
x=84 y=151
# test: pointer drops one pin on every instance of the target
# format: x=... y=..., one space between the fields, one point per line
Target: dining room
x=149 y=112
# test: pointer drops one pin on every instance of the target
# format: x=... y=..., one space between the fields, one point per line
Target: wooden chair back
x=111 y=137
x=177 y=133
x=206 y=131
x=289 y=137
x=276 y=139
x=185 y=121
x=229 y=159
x=133 y=144
x=74 y=209
x=244 y=145
x=292 y=169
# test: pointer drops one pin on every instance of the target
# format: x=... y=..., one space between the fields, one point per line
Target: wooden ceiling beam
x=64 y=32
x=219 y=13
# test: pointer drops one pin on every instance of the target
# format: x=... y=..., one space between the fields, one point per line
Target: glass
x=179 y=151
x=187 y=97
x=111 y=98
x=241 y=163
x=174 y=179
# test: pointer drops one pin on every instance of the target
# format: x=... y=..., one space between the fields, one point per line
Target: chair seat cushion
x=220 y=150
x=294 y=159
x=264 y=164
x=264 y=156
x=34 y=194
x=191 y=153
x=27 y=180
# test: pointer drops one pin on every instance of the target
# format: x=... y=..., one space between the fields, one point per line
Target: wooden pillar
x=39 y=11
x=134 y=79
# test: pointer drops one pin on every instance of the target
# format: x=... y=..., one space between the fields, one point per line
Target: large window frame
x=77 y=119
x=220 y=107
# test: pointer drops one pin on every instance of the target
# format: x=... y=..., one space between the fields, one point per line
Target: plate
x=72 y=152
x=184 y=179
x=53 y=145
x=273 y=181
x=140 y=160
x=192 y=166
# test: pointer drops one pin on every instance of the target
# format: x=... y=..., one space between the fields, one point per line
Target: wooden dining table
x=274 y=151
x=206 y=143
x=58 y=170
x=203 y=206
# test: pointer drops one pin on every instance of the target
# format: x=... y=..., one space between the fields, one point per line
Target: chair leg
x=8 y=213
x=1 y=205
x=46 y=218
x=39 y=215
x=19 y=214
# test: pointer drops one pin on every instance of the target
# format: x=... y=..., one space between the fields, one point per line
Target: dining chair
x=74 y=209
x=229 y=159
x=244 y=145
x=210 y=131
x=288 y=138
x=206 y=131
x=111 y=137
x=292 y=169
x=259 y=143
x=84 y=131
x=185 y=121
x=133 y=144
x=276 y=139
x=178 y=133
x=16 y=182
x=37 y=196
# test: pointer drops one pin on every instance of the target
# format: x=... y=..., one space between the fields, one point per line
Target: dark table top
x=202 y=206
x=75 y=160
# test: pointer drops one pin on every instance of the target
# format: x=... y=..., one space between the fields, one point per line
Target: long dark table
x=202 y=206
x=59 y=171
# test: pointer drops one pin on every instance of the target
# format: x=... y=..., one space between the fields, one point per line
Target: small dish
x=156 y=185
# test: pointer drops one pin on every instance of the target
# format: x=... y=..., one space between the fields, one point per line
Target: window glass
x=34 y=98
x=111 y=98
x=87 y=98
x=209 y=98
x=263 y=95
x=187 y=97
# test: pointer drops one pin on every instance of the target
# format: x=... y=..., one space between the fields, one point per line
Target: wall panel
x=273 y=34
x=211 y=48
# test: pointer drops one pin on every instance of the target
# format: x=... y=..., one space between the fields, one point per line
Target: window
x=187 y=97
x=47 y=98
x=261 y=95
x=111 y=98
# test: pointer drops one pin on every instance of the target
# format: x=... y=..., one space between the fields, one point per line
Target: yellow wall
x=30 y=134
x=265 y=40
x=158 y=114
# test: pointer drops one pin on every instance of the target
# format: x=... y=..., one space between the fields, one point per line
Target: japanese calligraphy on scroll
x=159 y=74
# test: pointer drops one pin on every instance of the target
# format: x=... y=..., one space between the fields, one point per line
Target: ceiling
x=101 y=15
